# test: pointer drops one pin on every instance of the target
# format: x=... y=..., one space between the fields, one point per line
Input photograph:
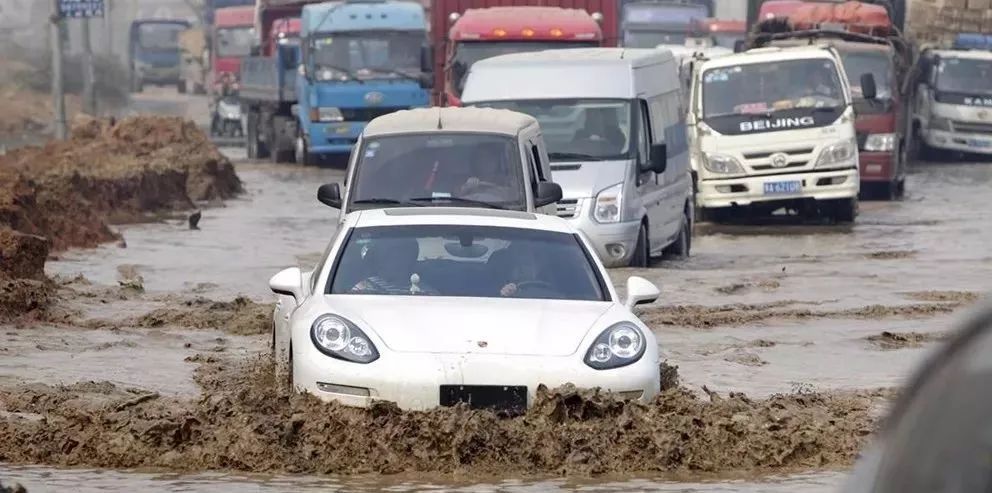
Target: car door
x=648 y=183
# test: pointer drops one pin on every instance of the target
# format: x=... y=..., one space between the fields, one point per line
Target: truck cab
x=154 y=52
x=462 y=157
x=478 y=34
x=788 y=141
x=232 y=39
x=647 y=24
x=360 y=60
x=953 y=105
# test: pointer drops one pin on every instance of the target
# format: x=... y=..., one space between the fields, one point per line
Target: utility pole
x=58 y=90
x=89 y=74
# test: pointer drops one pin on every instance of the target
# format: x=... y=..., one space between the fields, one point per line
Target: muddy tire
x=682 y=246
x=842 y=210
x=281 y=153
x=642 y=251
x=284 y=374
x=302 y=152
x=255 y=148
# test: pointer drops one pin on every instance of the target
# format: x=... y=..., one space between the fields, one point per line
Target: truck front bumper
x=818 y=185
x=334 y=138
x=877 y=167
x=958 y=141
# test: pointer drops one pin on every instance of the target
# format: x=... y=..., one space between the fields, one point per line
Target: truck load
x=154 y=54
x=356 y=60
x=232 y=40
x=466 y=31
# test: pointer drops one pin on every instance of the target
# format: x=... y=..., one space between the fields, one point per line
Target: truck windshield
x=651 y=39
x=965 y=76
x=469 y=52
x=234 y=42
x=761 y=88
x=578 y=129
x=160 y=36
x=878 y=64
x=368 y=54
x=428 y=168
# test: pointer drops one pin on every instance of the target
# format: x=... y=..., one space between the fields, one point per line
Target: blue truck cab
x=360 y=60
x=154 y=53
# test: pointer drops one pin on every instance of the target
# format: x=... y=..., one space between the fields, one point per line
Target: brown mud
x=240 y=316
x=891 y=254
x=243 y=422
x=942 y=296
x=766 y=285
x=899 y=340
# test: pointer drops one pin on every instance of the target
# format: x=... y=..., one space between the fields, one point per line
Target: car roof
x=450 y=119
x=406 y=216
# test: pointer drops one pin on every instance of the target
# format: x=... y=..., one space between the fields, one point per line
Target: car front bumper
x=818 y=185
x=958 y=141
x=413 y=380
x=614 y=242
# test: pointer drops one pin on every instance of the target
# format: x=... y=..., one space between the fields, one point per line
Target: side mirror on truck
x=659 y=158
x=547 y=193
x=739 y=45
x=329 y=194
x=868 y=88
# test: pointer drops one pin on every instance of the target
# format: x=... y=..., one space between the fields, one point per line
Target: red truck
x=865 y=38
x=232 y=39
x=466 y=31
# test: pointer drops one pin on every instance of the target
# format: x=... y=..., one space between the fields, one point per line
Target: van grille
x=568 y=208
x=972 y=127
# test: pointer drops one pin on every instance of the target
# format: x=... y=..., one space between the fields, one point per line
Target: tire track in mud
x=244 y=423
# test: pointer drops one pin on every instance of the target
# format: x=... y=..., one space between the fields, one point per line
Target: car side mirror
x=288 y=282
x=641 y=291
x=659 y=158
x=739 y=45
x=868 y=88
x=547 y=193
x=329 y=194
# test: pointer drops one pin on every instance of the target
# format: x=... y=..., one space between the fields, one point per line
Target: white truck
x=953 y=105
x=773 y=128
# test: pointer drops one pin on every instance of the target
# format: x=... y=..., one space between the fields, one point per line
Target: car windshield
x=469 y=52
x=877 y=64
x=369 y=54
x=440 y=168
x=586 y=129
x=771 y=86
x=651 y=39
x=235 y=42
x=160 y=36
x=960 y=75
x=466 y=261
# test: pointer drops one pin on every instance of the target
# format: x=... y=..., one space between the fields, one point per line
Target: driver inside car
x=521 y=270
x=392 y=263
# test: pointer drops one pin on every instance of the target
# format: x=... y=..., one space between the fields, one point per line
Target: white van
x=454 y=157
x=772 y=128
x=613 y=122
x=953 y=106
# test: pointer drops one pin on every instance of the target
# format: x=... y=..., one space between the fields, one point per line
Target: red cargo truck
x=233 y=36
x=466 y=31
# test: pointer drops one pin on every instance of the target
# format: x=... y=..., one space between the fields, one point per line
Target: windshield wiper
x=346 y=72
x=573 y=155
x=387 y=202
x=390 y=71
x=461 y=200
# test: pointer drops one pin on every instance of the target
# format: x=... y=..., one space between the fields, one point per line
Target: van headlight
x=724 y=165
x=620 y=345
x=608 y=206
x=839 y=153
x=339 y=338
x=880 y=142
x=938 y=123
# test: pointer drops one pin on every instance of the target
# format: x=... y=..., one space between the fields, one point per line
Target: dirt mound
x=896 y=340
x=700 y=316
x=23 y=286
x=244 y=423
x=241 y=316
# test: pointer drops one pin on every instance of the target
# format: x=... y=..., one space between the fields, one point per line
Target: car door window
x=644 y=136
x=538 y=166
x=531 y=166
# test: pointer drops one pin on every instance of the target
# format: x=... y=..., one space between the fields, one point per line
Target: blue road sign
x=81 y=8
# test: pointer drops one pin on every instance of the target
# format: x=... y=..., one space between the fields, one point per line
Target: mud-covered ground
x=789 y=340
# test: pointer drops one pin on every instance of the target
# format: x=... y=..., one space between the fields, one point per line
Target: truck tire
x=282 y=151
x=199 y=89
x=842 y=211
x=682 y=246
x=255 y=148
x=302 y=152
x=642 y=249
x=137 y=85
x=181 y=87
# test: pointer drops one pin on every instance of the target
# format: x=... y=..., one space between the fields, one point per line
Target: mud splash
x=700 y=316
x=241 y=316
x=895 y=340
x=891 y=254
x=766 y=285
x=944 y=296
x=23 y=286
x=244 y=423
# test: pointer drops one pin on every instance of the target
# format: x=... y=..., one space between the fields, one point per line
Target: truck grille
x=568 y=208
x=972 y=127
x=367 y=114
x=761 y=161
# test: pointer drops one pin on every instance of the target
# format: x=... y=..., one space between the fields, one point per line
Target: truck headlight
x=326 y=114
x=839 y=153
x=880 y=142
x=608 y=206
x=339 y=338
x=619 y=345
x=938 y=123
x=724 y=165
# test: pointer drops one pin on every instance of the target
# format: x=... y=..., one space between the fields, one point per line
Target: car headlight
x=327 y=114
x=339 y=338
x=620 y=345
x=938 y=123
x=608 y=206
x=880 y=142
x=724 y=165
x=839 y=153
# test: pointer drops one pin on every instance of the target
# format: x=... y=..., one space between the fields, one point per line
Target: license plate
x=980 y=143
x=777 y=187
x=500 y=398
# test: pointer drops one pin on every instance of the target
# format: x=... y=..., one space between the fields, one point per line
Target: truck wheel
x=137 y=85
x=281 y=152
x=181 y=87
x=683 y=243
x=842 y=210
x=199 y=89
x=302 y=152
x=642 y=251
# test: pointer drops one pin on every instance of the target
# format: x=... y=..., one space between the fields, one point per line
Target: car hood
x=465 y=325
x=581 y=180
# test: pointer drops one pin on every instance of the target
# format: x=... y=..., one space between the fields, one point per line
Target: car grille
x=500 y=398
x=367 y=114
x=568 y=208
x=761 y=161
x=972 y=127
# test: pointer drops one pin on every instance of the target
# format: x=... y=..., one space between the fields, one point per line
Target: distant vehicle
x=233 y=37
x=195 y=60
x=787 y=141
x=615 y=129
x=466 y=31
x=429 y=307
x=650 y=23
x=953 y=107
x=154 y=53
x=463 y=157
x=211 y=6
x=720 y=33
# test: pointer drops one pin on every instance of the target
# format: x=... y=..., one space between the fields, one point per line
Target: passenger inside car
x=391 y=265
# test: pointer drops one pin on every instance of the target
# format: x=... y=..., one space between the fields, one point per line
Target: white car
x=434 y=306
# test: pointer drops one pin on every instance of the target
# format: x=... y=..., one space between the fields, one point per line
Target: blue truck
x=649 y=23
x=355 y=60
x=154 y=53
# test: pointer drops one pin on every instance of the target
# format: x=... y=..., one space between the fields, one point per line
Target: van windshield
x=964 y=76
x=439 y=168
x=578 y=129
x=762 y=88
